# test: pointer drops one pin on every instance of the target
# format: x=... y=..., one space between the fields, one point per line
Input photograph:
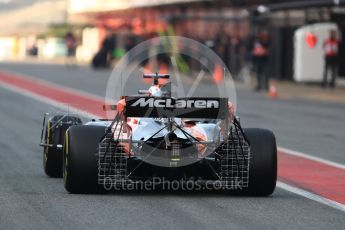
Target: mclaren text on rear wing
x=204 y=108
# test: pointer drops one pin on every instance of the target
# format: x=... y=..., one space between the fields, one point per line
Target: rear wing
x=156 y=75
x=196 y=108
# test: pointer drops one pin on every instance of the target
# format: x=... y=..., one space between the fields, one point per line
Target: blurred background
x=99 y=32
x=57 y=55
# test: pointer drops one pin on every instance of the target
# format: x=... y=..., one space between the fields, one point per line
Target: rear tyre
x=80 y=171
x=54 y=134
x=263 y=164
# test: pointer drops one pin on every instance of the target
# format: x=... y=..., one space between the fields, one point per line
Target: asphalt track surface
x=30 y=200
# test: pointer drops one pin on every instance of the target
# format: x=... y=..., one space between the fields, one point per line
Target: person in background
x=331 y=49
x=260 y=57
x=71 y=45
x=235 y=49
x=103 y=57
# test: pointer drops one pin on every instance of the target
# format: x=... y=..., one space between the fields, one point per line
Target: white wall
x=309 y=62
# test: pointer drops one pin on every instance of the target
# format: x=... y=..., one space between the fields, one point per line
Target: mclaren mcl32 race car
x=155 y=138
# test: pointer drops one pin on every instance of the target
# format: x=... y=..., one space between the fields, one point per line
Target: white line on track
x=292 y=189
x=306 y=156
x=54 y=85
x=57 y=104
x=311 y=196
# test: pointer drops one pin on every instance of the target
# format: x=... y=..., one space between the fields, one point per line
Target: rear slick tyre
x=80 y=170
x=54 y=134
x=263 y=162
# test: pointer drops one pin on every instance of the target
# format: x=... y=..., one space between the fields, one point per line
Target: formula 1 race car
x=155 y=138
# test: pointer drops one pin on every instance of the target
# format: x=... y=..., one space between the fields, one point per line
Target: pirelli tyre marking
x=66 y=146
x=46 y=149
